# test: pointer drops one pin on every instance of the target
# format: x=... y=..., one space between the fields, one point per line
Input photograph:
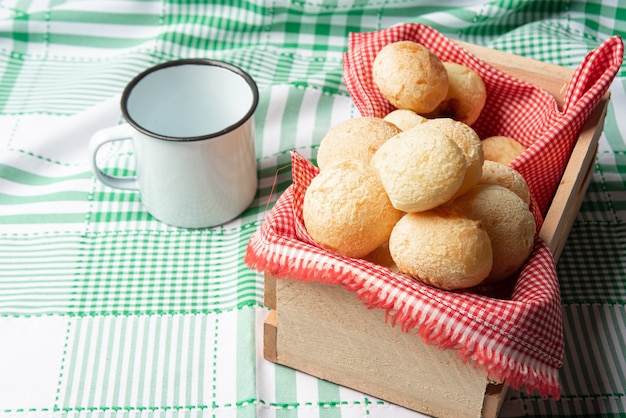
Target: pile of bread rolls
x=416 y=191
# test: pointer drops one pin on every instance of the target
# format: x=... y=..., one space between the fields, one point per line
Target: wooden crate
x=325 y=331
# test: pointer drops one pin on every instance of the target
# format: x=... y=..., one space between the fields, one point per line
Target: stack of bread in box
x=418 y=191
x=408 y=203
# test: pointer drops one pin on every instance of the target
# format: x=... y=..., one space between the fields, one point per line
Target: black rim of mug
x=191 y=61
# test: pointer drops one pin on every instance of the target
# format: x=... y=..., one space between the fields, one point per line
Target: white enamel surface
x=189 y=184
x=189 y=100
x=199 y=183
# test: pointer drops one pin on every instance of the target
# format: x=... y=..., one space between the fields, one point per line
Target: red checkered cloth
x=512 y=330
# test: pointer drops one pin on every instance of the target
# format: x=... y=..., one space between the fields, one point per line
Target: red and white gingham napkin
x=513 y=330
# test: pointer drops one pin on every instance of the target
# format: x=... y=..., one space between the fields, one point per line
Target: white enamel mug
x=191 y=123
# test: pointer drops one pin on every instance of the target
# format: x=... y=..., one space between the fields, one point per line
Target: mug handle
x=112 y=134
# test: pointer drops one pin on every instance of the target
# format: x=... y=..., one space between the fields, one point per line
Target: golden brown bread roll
x=502 y=149
x=356 y=138
x=509 y=224
x=420 y=168
x=404 y=119
x=442 y=247
x=382 y=257
x=466 y=96
x=410 y=76
x=468 y=140
x=346 y=209
x=503 y=175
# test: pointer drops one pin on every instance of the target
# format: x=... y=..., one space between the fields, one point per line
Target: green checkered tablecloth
x=105 y=311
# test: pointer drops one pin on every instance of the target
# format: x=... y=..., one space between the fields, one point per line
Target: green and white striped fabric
x=105 y=311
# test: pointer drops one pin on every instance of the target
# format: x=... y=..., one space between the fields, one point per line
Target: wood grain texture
x=325 y=331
